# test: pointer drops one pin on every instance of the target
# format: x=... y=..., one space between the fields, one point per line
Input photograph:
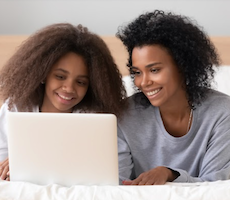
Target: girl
x=61 y=68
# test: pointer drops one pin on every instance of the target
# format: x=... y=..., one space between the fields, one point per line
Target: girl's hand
x=155 y=176
x=4 y=170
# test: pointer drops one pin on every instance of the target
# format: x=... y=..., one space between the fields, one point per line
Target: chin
x=156 y=104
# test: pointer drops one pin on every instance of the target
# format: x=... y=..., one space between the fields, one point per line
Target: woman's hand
x=155 y=176
x=4 y=170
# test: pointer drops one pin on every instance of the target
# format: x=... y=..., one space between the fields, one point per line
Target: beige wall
x=9 y=44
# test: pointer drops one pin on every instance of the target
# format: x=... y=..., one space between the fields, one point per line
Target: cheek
x=48 y=88
x=82 y=91
x=85 y=91
x=52 y=84
x=137 y=81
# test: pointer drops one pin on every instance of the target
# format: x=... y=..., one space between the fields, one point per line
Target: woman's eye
x=154 y=70
x=134 y=73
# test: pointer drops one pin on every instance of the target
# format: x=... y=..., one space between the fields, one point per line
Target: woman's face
x=157 y=76
x=66 y=84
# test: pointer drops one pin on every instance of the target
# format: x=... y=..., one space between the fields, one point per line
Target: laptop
x=63 y=148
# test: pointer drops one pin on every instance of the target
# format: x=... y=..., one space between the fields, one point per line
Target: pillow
x=222 y=79
x=129 y=86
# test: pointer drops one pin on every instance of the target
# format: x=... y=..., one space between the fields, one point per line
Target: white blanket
x=219 y=190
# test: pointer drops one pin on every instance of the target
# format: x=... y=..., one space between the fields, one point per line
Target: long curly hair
x=21 y=76
x=189 y=46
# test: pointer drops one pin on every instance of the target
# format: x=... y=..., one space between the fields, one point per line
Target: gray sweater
x=203 y=154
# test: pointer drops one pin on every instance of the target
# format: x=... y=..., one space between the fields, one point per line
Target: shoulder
x=215 y=107
x=138 y=101
x=216 y=100
x=135 y=104
x=5 y=108
x=3 y=113
x=138 y=108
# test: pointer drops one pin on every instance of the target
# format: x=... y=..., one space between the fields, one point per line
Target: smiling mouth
x=65 y=98
x=153 y=92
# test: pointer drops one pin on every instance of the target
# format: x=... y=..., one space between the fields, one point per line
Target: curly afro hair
x=189 y=46
x=21 y=77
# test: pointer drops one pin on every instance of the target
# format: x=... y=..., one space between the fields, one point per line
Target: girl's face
x=66 y=84
x=157 y=76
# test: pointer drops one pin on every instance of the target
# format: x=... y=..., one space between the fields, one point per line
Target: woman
x=176 y=128
x=62 y=68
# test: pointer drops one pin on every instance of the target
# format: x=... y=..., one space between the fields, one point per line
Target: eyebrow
x=66 y=72
x=147 y=66
x=62 y=70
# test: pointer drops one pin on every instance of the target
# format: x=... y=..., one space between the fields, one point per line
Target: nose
x=146 y=81
x=68 y=86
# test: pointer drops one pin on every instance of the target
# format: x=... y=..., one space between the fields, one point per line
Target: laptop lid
x=63 y=148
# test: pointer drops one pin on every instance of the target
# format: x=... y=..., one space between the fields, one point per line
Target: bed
x=219 y=190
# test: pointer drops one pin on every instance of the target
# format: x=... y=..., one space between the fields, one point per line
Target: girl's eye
x=60 y=77
x=82 y=83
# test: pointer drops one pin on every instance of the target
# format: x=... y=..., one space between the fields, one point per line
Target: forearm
x=173 y=175
x=184 y=177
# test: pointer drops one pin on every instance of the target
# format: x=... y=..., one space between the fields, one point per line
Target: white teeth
x=66 y=98
x=153 y=92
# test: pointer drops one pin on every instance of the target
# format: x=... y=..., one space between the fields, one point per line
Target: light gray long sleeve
x=3 y=136
x=203 y=154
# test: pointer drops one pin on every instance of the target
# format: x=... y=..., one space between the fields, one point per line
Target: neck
x=177 y=121
x=178 y=112
x=177 y=106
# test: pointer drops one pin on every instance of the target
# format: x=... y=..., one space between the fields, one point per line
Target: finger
x=142 y=183
x=7 y=177
x=5 y=162
x=146 y=181
x=4 y=168
x=155 y=181
x=4 y=173
x=1 y=169
x=126 y=182
x=3 y=176
x=151 y=182
x=137 y=180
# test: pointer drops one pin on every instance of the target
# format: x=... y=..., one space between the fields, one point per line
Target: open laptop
x=66 y=149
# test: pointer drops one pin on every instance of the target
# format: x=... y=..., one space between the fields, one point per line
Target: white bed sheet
x=219 y=190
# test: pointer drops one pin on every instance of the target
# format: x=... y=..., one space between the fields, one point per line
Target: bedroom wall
x=23 y=17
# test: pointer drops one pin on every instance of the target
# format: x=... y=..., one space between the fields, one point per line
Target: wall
x=20 y=17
